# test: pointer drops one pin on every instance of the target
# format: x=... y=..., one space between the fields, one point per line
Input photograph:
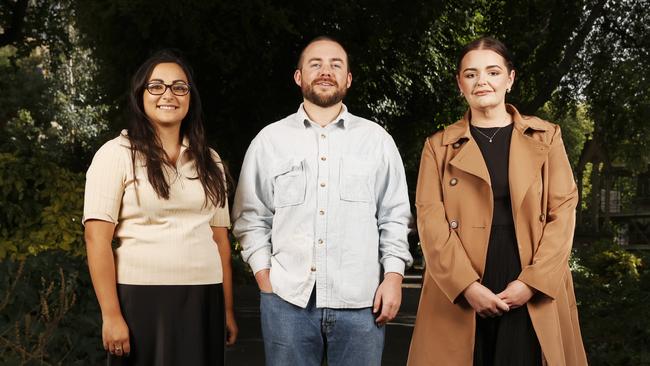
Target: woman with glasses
x=158 y=190
x=496 y=211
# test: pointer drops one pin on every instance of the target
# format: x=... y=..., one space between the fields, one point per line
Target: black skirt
x=173 y=325
x=509 y=339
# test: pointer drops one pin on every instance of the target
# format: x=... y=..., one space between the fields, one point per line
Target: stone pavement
x=249 y=350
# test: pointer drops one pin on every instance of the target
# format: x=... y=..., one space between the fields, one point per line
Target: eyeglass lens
x=160 y=88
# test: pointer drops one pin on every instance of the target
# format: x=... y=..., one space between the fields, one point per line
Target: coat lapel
x=469 y=159
x=527 y=155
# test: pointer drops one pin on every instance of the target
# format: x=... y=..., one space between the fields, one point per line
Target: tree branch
x=568 y=57
x=628 y=39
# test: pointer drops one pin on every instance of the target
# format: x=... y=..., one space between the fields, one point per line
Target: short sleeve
x=221 y=217
x=105 y=181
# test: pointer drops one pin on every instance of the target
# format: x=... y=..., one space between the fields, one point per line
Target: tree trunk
x=590 y=154
x=607 y=180
x=594 y=208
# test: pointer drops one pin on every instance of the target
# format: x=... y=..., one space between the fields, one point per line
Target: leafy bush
x=613 y=292
x=40 y=206
x=49 y=314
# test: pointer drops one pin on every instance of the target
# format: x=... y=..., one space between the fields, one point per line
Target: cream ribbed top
x=160 y=242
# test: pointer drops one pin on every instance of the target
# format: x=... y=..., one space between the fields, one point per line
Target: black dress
x=508 y=339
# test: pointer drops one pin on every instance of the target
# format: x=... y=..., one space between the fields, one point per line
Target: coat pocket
x=290 y=183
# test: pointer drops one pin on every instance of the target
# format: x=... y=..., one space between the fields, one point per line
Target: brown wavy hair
x=145 y=143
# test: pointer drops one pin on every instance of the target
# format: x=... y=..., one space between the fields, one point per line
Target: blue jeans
x=303 y=337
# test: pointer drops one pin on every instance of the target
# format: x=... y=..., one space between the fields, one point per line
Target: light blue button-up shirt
x=324 y=206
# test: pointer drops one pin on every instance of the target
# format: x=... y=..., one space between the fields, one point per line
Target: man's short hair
x=318 y=39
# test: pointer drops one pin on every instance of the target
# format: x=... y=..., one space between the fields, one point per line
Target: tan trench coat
x=454 y=221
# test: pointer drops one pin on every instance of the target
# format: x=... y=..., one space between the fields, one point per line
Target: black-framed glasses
x=158 y=88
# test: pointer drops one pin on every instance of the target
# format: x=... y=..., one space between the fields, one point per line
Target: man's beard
x=327 y=100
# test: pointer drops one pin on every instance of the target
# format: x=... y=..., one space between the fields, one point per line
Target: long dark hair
x=146 y=144
x=486 y=43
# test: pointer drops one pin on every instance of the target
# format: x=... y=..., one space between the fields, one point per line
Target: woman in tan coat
x=496 y=205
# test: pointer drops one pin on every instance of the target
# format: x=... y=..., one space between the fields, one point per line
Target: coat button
x=453 y=224
x=542 y=217
x=453 y=181
x=456 y=145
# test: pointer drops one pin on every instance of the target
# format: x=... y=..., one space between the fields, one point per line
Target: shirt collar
x=342 y=120
x=186 y=142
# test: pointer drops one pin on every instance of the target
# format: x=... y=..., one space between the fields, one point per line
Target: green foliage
x=575 y=123
x=607 y=264
x=53 y=91
x=26 y=83
x=44 y=23
x=48 y=312
x=613 y=290
x=79 y=116
x=40 y=207
x=614 y=78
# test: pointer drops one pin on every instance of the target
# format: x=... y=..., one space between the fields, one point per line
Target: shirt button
x=313 y=268
x=322 y=135
x=453 y=181
x=453 y=224
x=542 y=217
x=323 y=158
x=322 y=212
x=320 y=241
x=322 y=184
x=456 y=145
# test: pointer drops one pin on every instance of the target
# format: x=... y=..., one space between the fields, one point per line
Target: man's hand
x=263 y=280
x=484 y=302
x=388 y=298
x=516 y=294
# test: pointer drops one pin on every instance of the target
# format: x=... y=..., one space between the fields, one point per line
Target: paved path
x=249 y=350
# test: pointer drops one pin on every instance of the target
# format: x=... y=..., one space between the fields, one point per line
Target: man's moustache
x=332 y=81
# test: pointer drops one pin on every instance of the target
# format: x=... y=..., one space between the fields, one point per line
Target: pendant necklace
x=490 y=138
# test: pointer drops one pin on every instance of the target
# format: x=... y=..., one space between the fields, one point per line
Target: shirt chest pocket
x=355 y=180
x=290 y=183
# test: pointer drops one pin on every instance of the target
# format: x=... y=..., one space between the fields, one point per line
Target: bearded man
x=322 y=214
